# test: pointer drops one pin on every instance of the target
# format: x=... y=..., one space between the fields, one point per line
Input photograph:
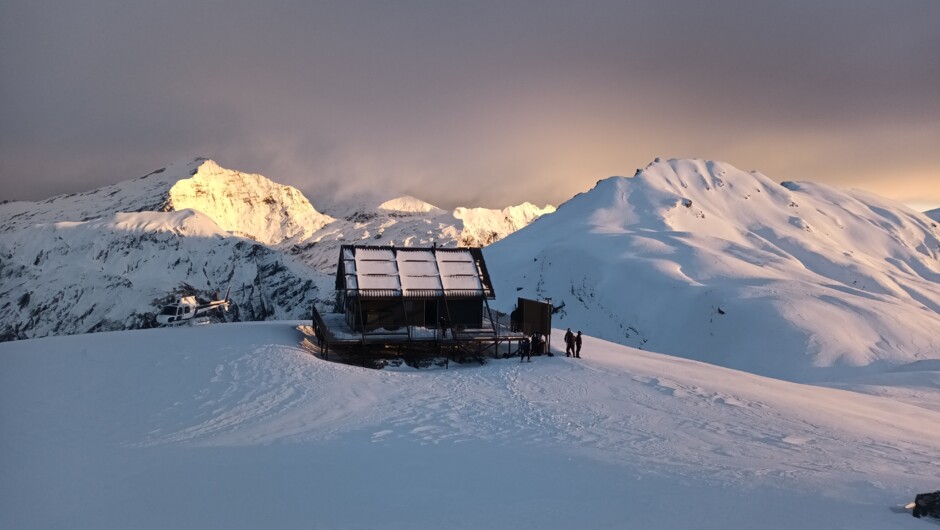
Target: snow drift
x=699 y=259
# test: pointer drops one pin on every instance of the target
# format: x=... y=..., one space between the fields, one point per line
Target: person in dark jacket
x=445 y=325
x=537 y=344
x=524 y=351
x=569 y=343
x=577 y=345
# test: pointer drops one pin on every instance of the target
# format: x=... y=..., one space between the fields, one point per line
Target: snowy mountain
x=243 y=204
x=699 y=259
x=408 y=205
x=109 y=259
x=235 y=426
x=406 y=221
x=116 y=272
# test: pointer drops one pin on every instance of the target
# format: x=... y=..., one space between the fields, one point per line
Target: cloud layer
x=483 y=103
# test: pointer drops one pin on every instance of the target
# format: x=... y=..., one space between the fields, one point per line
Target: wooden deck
x=336 y=336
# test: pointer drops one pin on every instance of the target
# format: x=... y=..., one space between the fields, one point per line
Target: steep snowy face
x=244 y=204
x=247 y=205
x=700 y=259
x=114 y=273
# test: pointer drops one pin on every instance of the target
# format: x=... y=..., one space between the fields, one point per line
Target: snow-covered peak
x=700 y=259
x=115 y=272
x=244 y=204
x=125 y=248
x=247 y=204
x=407 y=221
x=409 y=204
x=484 y=226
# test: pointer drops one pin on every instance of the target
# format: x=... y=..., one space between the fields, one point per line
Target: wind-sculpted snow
x=699 y=259
x=237 y=426
x=115 y=273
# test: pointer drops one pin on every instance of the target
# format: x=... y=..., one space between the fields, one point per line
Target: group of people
x=529 y=347
x=536 y=346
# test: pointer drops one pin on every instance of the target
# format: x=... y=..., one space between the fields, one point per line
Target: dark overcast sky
x=472 y=103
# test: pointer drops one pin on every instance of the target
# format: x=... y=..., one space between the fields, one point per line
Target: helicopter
x=187 y=310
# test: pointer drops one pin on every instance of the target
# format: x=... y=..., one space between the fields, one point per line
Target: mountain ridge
x=699 y=259
x=245 y=204
x=107 y=259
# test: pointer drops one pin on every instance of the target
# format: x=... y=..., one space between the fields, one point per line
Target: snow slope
x=699 y=259
x=236 y=426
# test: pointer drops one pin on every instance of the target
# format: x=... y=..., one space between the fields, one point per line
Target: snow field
x=236 y=426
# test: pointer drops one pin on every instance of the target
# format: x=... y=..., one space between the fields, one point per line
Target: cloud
x=488 y=104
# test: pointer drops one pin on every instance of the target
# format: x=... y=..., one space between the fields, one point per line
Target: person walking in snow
x=569 y=343
x=524 y=351
x=577 y=344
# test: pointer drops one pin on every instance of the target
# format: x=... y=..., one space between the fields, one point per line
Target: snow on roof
x=377 y=269
x=418 y=271
x=459 y=271
x=413 y=272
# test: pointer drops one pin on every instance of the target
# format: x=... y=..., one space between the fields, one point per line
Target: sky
x=469 y=103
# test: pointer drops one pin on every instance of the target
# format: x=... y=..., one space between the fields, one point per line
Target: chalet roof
x=390 y=272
